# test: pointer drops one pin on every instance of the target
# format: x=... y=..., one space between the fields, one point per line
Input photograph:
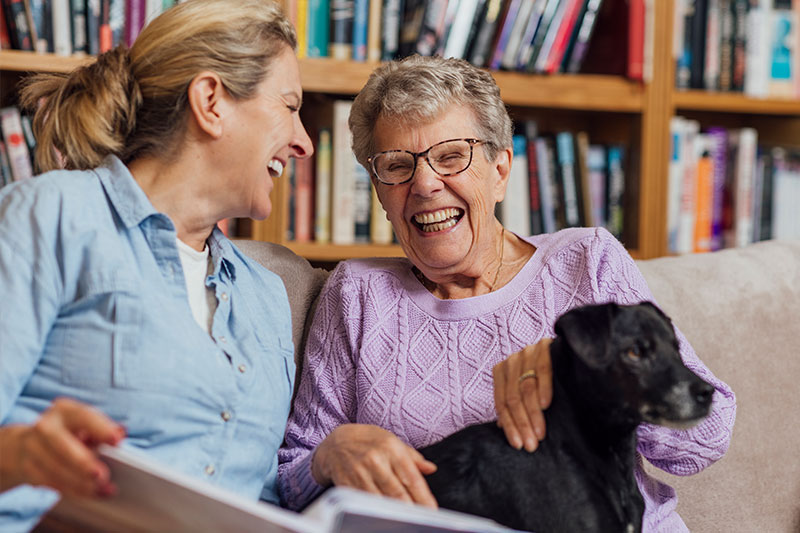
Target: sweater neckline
x=474 y=306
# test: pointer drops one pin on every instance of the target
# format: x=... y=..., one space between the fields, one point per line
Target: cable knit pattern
x=382 y=350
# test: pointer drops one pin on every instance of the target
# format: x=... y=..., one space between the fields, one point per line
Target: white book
x=785 y=199
x=61 y=18
x=152 y=9
x=343 y=185
x=515 y=207
x=675 y=180
x=511 y=53
x=322 y=186
x=153 y=497
x=743 y=187
x=380 y=229
x=758 y=49
x=546 y=166
x=19 y=157
x=457 y=35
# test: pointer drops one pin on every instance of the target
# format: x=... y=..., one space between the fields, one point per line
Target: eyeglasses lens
x=446 y=159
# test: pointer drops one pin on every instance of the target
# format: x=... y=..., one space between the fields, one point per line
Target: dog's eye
x=634 y=353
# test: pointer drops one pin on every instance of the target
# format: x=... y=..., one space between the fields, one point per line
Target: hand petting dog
x=523 y=388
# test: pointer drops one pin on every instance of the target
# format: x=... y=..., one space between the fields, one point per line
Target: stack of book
x=749 y=46
x=727 y=191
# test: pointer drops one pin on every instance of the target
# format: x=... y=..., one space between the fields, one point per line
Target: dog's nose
x=702 y=392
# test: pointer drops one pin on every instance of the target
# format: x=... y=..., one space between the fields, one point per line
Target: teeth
x=439 y=226
x=276 y=167
x=437 y=216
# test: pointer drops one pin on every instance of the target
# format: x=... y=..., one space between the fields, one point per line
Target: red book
x=5 y=41
x=563 y=35
x=636 y=40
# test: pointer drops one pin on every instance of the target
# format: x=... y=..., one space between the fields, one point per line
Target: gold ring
x=527 y=374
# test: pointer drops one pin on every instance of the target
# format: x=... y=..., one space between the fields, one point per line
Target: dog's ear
x=586 y=331
x=658 y=311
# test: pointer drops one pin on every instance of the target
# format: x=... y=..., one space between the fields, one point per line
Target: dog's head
x=627 y=359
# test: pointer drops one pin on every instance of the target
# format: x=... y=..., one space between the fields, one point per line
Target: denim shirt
x=93 y=306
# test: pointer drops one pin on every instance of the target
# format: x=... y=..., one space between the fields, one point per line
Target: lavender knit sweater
x=383 y=350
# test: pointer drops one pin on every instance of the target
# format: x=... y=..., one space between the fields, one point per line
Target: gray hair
x=417 y=89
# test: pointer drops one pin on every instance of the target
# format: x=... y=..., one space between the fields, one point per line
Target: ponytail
x=84 y=116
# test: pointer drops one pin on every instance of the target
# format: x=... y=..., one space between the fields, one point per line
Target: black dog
x=613 y=367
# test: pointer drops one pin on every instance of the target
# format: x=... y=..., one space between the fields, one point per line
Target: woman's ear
x=208 y=101
x=502 y=165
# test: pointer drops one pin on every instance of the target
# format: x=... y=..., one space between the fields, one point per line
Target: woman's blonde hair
x=418 y=89
x=131 y=103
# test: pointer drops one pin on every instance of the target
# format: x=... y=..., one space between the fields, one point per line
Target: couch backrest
x=740 y=310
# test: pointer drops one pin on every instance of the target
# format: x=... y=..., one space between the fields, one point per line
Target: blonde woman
x=127 y=316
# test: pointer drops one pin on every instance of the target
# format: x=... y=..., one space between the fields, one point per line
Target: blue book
x=565 y=152
x=319 y=19
x=360 y=28
x=615 y=189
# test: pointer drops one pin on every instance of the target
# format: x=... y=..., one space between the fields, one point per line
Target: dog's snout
x=702 y=392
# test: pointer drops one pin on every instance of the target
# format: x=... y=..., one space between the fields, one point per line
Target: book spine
x=374 y=30
x=303 y=199
x=582 y=177
x=432 y=27
x=596 y=165
x=5 y=38
x=743 y=195
x=413 y=14
x=531 y=131
x=318 y=26
x=93 y=27
x=526 y=44
x=725 y=45
x=5 y=166
x=390 y=28
x=78 y=27
x=719 y=154
x=322 y=213
x=583 y=37
x=713 y=36
x=380 y=229
x=514 y=209
x=459 y=33
x=134 y=20
x=508 y=60
x=341 y=36
x=616 y=190
x=546 y=165
x=361 y=202
x=566 y=164
x=684 y=14
x=301 y=27
x=545 y=42
x=636 y=40
x=18 y=155
x=62 y=33
x=360 y=29
x=290 y=177
x=40 y=21
x=757 y=51
x=343 y=180
x=674 y=181
x=704 y=190
x=783 y=48
x=767 y=184
x=741 y=9
x=698 y=44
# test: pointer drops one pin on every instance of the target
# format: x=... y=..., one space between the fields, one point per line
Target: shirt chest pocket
x=100 y=329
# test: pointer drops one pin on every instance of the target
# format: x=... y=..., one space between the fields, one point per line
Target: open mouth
x=438 y=220
x=275 y=168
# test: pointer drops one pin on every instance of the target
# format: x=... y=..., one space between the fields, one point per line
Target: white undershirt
x=196 y=268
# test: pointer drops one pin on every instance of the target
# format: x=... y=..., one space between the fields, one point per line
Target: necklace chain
x=430 y=285
x=500 y=266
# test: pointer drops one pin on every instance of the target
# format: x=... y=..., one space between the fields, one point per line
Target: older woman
x=403 y=352
x=126 y=313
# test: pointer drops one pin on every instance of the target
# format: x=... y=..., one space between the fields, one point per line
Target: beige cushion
x=740 y=309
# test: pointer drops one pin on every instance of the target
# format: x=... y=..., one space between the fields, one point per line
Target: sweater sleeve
x=326 y=397
x=679 y=452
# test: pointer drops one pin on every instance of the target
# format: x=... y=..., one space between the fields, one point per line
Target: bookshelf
x=610 y=108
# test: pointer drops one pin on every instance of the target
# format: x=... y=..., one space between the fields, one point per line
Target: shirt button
x=242 y=369
x=226 y=415
x=209 y=470
x=224 y=296
x=222 y=338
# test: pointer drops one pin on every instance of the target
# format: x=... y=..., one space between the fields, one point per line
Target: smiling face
x=265 y=131
x=446 y=226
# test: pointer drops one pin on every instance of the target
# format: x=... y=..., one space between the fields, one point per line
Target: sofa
x=740 y=309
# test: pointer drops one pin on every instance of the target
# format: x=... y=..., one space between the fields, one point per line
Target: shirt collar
x=127 y=197
x=221 y=253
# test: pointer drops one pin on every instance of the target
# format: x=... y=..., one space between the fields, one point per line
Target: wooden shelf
x=336 y=252
x=582 y=92
x=17 y=60
x=734 y=103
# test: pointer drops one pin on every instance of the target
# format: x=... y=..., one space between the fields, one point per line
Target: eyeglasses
x=446 y=158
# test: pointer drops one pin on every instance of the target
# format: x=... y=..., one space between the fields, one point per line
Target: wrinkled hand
x=370 y=458
x=519 y=403
x=57 y=450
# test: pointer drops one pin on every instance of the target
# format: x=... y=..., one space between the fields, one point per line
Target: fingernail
x=540 y=433
x=516 y=442
x=530 y=445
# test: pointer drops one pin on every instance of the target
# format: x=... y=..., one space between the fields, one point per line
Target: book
x=93 y=26
x=545 y=21
x=303 y=199
x=556 y=48
x=380 y=229
x=322 y=189
x=510 y=55
x=567 y=177
x=40 y=21
x=615 y=189
x=154 y=497
x=391 y=16
x=528 y=35
x=432 y=28
x=783 y=48
x=546 y=165
x=719 y=154
x=360 y=29
x=515 y=207
x=411 y=25
x=5 y=166
x=531 y=132
x=743 y=187
x=19 y=157
x=704 y=188
x=505 y=26
x=582 y=177
x=636 y=27
x=362 y=198
x=725 y=49
x=785 y=222
x=340 y=45
x=713 y=42
x=343 y=222
x=318 y=27
x=5 y=39
x=757 y=51
x=596 y=168
x=740 y=14
x=459 y=33
x=301 y=27
x=62 y=27
x=374 y=30
x=135 y=13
